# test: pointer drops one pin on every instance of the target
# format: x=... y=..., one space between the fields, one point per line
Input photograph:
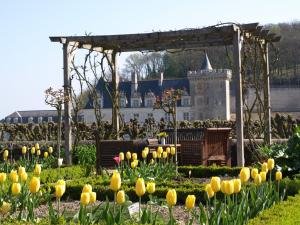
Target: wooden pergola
x=221 y=35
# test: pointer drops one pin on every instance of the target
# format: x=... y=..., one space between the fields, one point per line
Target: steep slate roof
x=144 y=87
x=33 y=113
x=206 y=63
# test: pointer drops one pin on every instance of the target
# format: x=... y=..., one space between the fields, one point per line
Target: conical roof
x=206 y=64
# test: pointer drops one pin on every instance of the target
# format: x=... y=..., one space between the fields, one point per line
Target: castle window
x=136 y=116
x=8 y=120
x=149 y=103
x=186 y=116
x=150 y=115
x=16 y=120
x=207 y=100
x=185 y=101
x=30 y=119
x=50 y=119
x=200 y=100
x=136 y=103
x=123 y=102
x=40 y=119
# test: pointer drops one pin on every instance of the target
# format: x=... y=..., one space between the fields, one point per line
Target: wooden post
x=115 y=94
x=67 y=105
x=238 y=97
x=267 y=102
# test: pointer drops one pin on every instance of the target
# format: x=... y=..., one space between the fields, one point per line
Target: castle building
x=205 y=96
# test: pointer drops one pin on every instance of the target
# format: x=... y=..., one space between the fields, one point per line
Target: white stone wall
x=89 y=117
x=282 y=99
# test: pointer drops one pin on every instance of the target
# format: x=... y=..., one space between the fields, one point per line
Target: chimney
x=161 y=79
x=134 y=82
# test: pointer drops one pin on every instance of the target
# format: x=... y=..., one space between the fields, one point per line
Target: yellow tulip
x=146 y=149
x=154 y=155
x=171 y=197
x=16 y=188
x=34 y=185
x=133 y=165
x=151 y=161
x=160 y=150
x=120 y=197
x=215 y=183
x=271 y=164
x=254 y=172
x=209 y=191
x=168 y=150
x=173 y=150
x=237 y=185
x=21 y=170
x=2 y=177
x=24 y=177
x=136 y=162
x=93 y=197
x=33 y=150
x=115 y=182
x=229 y=187
x=134 y=156
x=37 y=170
x=128 y=155
x=257 y=179
x=87 y=188
x=13 y=176
x=264 y=167
x=190 y=201
x=59 y=190
x=50 y=150
x=165 y=155
x=121 y=156
x=85 y=198
x=245 y=174
x=150 y=187
x=263 y=176
x=5 y=154
x=144 y=154
x=223 y=186
x=278 y=176
x=61 y=182
x=38 y=152
x=159 y=155
x=140 y=188
x=37 y=146
x=24 y=150
x=5 y=208
x=46 y=155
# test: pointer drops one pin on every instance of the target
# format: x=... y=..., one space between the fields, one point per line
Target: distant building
x=206 y=96
x=32 y=116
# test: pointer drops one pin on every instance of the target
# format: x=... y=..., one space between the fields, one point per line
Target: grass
x=287 y=213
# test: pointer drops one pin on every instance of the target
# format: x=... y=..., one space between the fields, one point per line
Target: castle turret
x=209 y=90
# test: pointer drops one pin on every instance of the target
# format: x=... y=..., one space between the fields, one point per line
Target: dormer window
x=123 y=100
x=30 y=119
x=99 y=100
x=16 y=120
x=149 y=99
x=8 y=120
x=136 y=100
x=50 y=119
x=40 y=119
x=185 y=101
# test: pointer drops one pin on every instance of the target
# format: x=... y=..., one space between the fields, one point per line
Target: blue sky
x=30 y=63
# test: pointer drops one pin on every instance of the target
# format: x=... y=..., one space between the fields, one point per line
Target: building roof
x=33 y=113
x=144 y=87
x=206 y=63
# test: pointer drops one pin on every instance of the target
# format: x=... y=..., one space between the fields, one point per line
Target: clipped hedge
x=209 y=171
x=286 y=212
x=68 y=173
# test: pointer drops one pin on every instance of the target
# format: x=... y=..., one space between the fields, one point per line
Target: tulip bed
x=230 y=200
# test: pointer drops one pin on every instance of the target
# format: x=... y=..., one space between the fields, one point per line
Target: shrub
x=86 y=155
x=204 y=171
x=286 y=212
